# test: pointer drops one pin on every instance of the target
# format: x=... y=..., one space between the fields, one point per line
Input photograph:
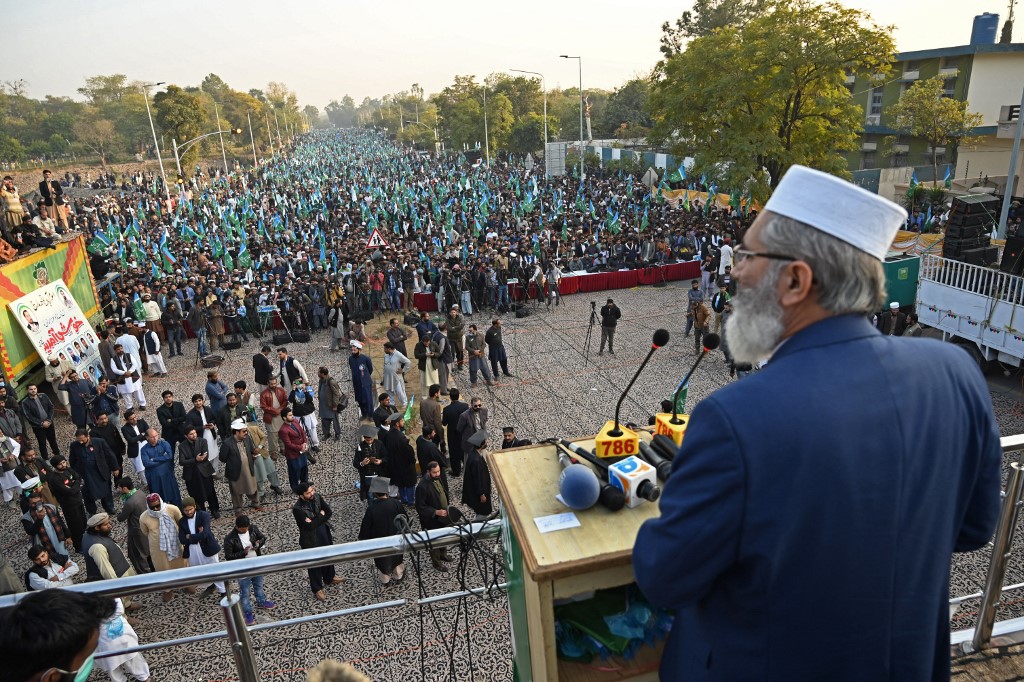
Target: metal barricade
x=236 y=631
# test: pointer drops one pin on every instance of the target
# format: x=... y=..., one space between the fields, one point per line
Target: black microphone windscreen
x=712 y=341
x=661 y=338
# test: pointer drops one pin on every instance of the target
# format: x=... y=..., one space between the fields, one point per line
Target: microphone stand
x=707 y=348
x=616 y=432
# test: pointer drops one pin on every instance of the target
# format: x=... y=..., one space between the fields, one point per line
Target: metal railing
x=999 y=285
x=1001 y=551
x=237 y=633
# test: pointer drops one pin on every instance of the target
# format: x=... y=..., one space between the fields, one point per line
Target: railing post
x=238 y=638
x=1000 y=555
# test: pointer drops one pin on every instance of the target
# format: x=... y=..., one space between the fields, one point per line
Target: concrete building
x=990 y=76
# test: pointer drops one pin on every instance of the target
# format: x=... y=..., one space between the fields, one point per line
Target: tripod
x=590 y=333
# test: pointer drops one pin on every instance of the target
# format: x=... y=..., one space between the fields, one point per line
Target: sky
x=324 y=49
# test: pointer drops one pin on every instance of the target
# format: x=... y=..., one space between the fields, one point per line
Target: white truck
x=979 y=308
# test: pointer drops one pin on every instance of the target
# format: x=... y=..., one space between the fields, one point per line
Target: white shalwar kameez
x=117 y=634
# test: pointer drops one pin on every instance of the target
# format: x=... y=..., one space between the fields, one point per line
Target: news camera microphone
x=626 y=475
x=578 y=484
x=611 y=498
x=659 y=340
x=711 y=342
x=660 y=464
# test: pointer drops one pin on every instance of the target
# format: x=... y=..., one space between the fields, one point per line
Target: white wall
x=996 y=80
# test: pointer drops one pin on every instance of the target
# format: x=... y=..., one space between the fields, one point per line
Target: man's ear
x=796 y=283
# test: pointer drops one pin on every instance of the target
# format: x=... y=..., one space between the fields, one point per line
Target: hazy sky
x=324 y=49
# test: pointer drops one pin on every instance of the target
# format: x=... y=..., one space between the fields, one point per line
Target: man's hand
x=441 y=512
x=483 y=498
x=309 y=520
x=68 y=543
x=366 y=460
x=47 y=423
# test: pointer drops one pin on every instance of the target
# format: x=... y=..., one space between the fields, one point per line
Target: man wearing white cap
x=806 y=529
x=892 y=322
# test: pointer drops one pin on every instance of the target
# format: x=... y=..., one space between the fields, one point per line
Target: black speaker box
x=411 y=320
x=966 y=231
x=975 y=204
x=232 y=345
x=954 y=248
x=970 y=220
x=986 y=255
x=523 y=311
x=300 y=335
x=1013 y=256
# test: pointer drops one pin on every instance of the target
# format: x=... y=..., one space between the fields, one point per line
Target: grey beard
x=755 y=327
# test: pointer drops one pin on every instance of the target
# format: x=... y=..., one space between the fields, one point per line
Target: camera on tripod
x=593 y=305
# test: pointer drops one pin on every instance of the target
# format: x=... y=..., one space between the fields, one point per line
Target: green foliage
x=626 y=114
x=769 y=94
x=924 y=112
x=342 y=114
x=182 y=116
x=705 y=18
x=528 y=133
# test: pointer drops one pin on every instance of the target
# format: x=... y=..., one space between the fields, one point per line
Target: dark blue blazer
x=807 y=527
x=205 y=540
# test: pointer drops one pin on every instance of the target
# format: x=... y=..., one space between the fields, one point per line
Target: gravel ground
x=558 y=390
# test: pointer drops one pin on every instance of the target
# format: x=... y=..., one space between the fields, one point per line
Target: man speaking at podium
x=806 y=529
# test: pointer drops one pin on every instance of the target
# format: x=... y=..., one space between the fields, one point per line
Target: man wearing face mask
x=906 y=472
x=66 y=656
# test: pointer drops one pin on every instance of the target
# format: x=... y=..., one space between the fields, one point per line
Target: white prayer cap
x=834 y=206
x=355 y=344
x=894 y=305
x=238 y=424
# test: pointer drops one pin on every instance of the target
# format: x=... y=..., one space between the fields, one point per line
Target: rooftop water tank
x=985 y=28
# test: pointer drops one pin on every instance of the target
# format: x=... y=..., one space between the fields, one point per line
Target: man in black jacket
x=432 y=507
x=427 y=450
x=401 y=459
x=262 y=369
x=134 y=432
x=610 y=315
x=369 y=459
x=110 y=435
x=93 y=459
x=199 y=544
x=313 y=517
x=476 y=486
x=172 y=419
x=66 y=485
x=509 y=439
x=38 y=411
x=450 y=419
x=379 y=522
x=197 y=470
x=246 y=541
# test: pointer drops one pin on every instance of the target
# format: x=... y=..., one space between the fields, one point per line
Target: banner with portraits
x=57 y=328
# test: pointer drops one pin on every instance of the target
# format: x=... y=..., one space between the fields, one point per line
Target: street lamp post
x=487 y=144
x=437 y=147
x=145 y=94
x=224 y=154
x=255 y=161
x=580 y=60
x=545 y=88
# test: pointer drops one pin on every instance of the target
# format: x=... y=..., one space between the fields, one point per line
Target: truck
x=975 y=307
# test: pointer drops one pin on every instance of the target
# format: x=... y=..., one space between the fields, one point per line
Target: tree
x=527 y=133
x=627 y=110
x=101 y=90
x=215 y=85
x=181 y=115
x=342 y=114
x=705 y=17
x=17 y=87
x=312 y=113
x=757 y=99
x=97 y=134
x=924 y=112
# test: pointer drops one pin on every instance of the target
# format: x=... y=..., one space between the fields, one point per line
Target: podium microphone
x=659 y=340
x=711 y=342
x=660 y=464
x=610 y=497
x=645 y=489
x=578 y=484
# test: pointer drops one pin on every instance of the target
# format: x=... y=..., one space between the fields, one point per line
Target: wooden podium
x=543 y=567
